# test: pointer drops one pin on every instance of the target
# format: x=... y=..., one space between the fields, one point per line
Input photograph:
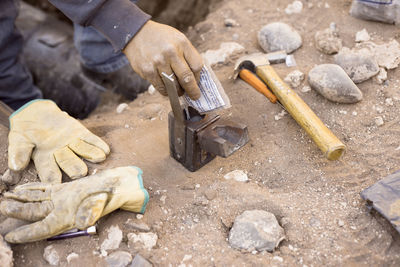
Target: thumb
x=19 y=151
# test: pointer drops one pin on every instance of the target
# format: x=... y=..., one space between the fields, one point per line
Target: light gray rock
x=279 y=36
x=138 y=226
x=113 y=240
x=145 y=240
x=362 y=36
x=6 y=254
x=237 y=175
x=359 y=65
x=119 y=259
x=256 y=230
x=332 y=82
x=328 y=41
x=139 y=261
x=51 y=256
x=295 y=78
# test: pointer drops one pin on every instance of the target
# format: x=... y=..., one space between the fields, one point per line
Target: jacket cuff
x=119 y=21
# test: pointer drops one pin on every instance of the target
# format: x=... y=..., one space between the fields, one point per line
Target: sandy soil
x=288 y=174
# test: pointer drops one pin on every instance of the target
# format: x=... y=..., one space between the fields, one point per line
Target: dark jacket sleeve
x=118 y=20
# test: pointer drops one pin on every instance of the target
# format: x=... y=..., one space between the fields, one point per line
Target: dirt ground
x=288 y=174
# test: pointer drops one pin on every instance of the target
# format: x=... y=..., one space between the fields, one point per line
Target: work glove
x=159 y=48
x=56 y=208
x=53 y=139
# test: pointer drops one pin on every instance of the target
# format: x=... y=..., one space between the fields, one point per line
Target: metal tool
x=259 y=63
x=196 y=139
x=75 y=233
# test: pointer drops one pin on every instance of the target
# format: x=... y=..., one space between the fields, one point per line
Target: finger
x=32 y=186
x=26 y=211
x=19 y=151
x=70 y=163
x=159 y=85
x=90 y=210
x=28 y=195
x=47 y=168
x=96 y=141
x=48 y=227
x=88 y=151
x=186 y=78
x=194 y=60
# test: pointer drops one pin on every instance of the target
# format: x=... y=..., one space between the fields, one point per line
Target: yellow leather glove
x=56 y=208
x=53 y=139
x=159 y=48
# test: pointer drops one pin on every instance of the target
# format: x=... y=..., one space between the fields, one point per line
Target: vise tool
x=196 y=139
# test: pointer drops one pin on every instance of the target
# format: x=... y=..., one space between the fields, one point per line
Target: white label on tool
x=210 y=98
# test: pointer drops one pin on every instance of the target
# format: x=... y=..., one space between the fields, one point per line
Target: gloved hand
x=53 y=139
x=56 y=208
x=159 y=48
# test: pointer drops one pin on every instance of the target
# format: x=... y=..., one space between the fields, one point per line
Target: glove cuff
x=146 y=194
x=27 y=105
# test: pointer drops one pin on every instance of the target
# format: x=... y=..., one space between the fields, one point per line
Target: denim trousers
x=16 y=84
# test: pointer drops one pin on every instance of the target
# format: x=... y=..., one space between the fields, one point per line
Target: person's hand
x=53 y=139
x=57 y=208
x=158 y=48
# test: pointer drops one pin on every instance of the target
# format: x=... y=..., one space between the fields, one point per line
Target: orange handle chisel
x=259 y=85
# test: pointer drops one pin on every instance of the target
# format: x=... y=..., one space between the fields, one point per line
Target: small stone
x=305 y=89
x=230 y=23
x=113 y=240
x=139 y=261
x=327 y=5
x=340 y=223
x=6 y=254
x=210 y=194
x=362 y=36
x=279 y=36
x=237 y=175
x=197 y=186
x=277 y=258
x=11 y=177
x=121 y=107
x=221 y=55
x=389 y=102
x=72 y=256
x=382 y=76
x=280 y=115
x=188 y=187
x=379 y=121
x=256 y=230
x=132 y=225
x=295 y=78
x=151 y=89
x=328 y=41
x=119 y=259
x=294 y=8
x=290 y=61
x=332 y=82
x=150 y=111
x=235 y=36
x=148 y=240
x=51 y=256
x=359 y=65
x=139 y=216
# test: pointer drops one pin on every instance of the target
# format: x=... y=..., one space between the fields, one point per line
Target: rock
x=295 y=78
x=119 y=259
x=148 y=240
x=279 y=36
x=328 y=41
x=294 y=8
x=11 y=177
x=132 y=225
x=305 y=89
x=225 y=51
x=280 y=115
x=6 y=254
x=290 y=61
x=332 y=82
x=150 y=111
x=387 y=55
x=230 y=23
x=237 y=175
x=362 y=36
x=359 y=65
x=389 y=102
x=51 y=256
x=72 y=257
x=379 y=121
x=139 y=261
x=256 y=230
x=152 y=90
x=113 y=240
x=341 y=223
x=210 y=194
x=10 y=224
x=121 y=107
x=381 y=77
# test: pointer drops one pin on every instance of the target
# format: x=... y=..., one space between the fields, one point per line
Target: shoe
x=124 y=81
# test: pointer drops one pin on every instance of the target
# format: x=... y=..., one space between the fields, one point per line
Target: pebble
x=256 y=230
x=387 y=54
x=305 y=89
x=6 y=254
x=210 y=194
x=379 y=121
x=132 y=225
x=72 y=256
x=294 y=8
x=150 y=111
x=389 y=102
x=382 y=76
x=295 y=78
x=332 y=82
x=277 y=258
x=148 y=240
x=237 y=175
x=119 y=259
x=221 y=55
x=121 y=107
x=152 y=90
x=359 y=65
x=51 y=256
x=113 y=240
x=139 y=216
x=290 y=61
x=328 y=41
x=279 y=36
x=280 y=115
x=340 y=223
x=139 y=261
x=230 y=23
x=11 y=177
x=362 y=36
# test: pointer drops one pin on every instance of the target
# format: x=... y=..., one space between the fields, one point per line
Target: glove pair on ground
x=53 y=139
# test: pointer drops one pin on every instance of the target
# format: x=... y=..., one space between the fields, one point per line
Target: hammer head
x=251 y=62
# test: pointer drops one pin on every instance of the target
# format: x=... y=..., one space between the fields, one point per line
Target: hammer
x=259 y=63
